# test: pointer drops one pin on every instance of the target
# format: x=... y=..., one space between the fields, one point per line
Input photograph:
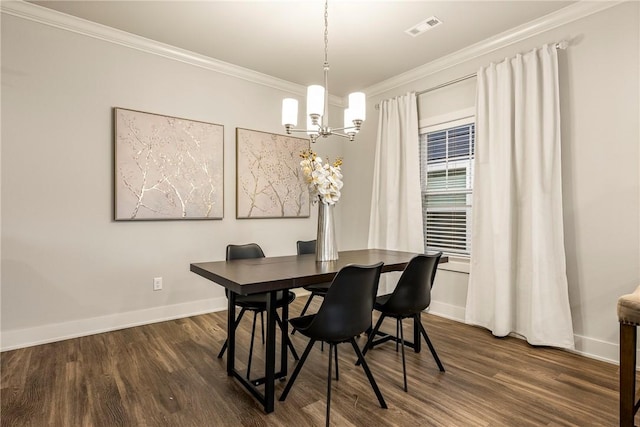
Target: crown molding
x=43 y=15
x=553 y=20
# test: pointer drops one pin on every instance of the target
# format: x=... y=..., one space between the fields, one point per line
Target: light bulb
x=358 y=105
x=289 y=112
x=348 y=122
x=311 y=128
x=315 y=100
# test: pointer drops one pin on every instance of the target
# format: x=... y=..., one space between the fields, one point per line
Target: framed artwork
x=167 y=168
x=270 y=183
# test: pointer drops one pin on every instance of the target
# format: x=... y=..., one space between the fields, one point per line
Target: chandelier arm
x=339 y=134
x=297 y=130
x=349 y=137
x=343 y=128
x=316 y=133
x=289 y=130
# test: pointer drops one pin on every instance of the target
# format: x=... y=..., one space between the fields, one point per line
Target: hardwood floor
x=167 y=374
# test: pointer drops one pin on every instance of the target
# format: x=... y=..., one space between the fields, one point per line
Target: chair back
x=306 y=247
x=413 y=292
x=347 y=306
x=250 y=250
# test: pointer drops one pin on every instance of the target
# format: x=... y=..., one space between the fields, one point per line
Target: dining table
x=272 y=274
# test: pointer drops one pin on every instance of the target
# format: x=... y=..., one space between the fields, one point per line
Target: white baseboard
x=448 y=311
x=20 y=338
x=600 y=350
x=585 y=346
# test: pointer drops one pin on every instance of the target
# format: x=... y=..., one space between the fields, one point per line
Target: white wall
x=67 y=268
x=600 y=91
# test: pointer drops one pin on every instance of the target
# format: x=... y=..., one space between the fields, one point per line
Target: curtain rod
x=560 y=45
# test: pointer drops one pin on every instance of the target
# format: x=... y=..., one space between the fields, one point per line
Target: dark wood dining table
x=272 y=274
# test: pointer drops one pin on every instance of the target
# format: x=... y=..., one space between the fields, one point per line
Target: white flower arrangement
x=324 y=179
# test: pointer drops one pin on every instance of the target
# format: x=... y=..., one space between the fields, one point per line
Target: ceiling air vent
x=423 y=26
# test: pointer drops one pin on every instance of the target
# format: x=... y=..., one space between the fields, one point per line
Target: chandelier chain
x=326 y=33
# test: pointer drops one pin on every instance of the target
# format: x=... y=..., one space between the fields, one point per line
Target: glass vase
x=326 y=245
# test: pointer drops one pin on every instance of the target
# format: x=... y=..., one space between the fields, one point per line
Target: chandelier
x=318 y=104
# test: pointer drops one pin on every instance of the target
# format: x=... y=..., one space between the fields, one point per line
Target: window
x=446 y=175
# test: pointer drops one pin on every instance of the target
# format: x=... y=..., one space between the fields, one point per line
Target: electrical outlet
x=157 y=283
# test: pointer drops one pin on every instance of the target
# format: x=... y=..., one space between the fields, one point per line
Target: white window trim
x=434 y=124
x=449 y=120
x=456 y=264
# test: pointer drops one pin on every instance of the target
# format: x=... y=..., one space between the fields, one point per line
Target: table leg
x=270 y=360
x=285 y=336
x=231 y=332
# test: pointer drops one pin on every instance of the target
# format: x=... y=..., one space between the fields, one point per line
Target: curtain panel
x=395 y=221
x=517 y=281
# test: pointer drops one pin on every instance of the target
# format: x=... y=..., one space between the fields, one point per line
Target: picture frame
x=167 y=168
x=269 y=181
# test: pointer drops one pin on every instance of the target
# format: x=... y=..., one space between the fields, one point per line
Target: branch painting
x=270 y=183
x=167 y=167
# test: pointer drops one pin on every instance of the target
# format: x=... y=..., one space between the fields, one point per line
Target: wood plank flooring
x=167 y=374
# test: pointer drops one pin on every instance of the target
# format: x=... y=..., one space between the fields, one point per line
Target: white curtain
x=518 y=277
x=396 y=207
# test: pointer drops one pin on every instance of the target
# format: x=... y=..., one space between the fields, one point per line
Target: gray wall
x=67 y=268
x=599 y=85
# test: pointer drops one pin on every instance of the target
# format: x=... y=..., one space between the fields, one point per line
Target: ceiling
x=285 y=39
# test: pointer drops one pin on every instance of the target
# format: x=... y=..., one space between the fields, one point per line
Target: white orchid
x=324 y=179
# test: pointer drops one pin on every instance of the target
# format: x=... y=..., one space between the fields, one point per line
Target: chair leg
x=306 y=306
x=404 y=366
x=253 y=335
x=372 y=334
x=235 y=325
x=628 y=339
x=397 y=331
x=296 y=371
x=285 y=336
x=426 y=338
x=304 y=309
x=372 y=381
x=331 y=349
x=262 y=323
x=336 y=358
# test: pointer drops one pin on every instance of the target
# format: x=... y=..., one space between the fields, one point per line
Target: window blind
x=446 y=166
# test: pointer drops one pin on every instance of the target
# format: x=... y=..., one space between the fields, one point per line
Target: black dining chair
x=317 y=289
x=344 y=314
x=411 y=296
x=257 y=303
